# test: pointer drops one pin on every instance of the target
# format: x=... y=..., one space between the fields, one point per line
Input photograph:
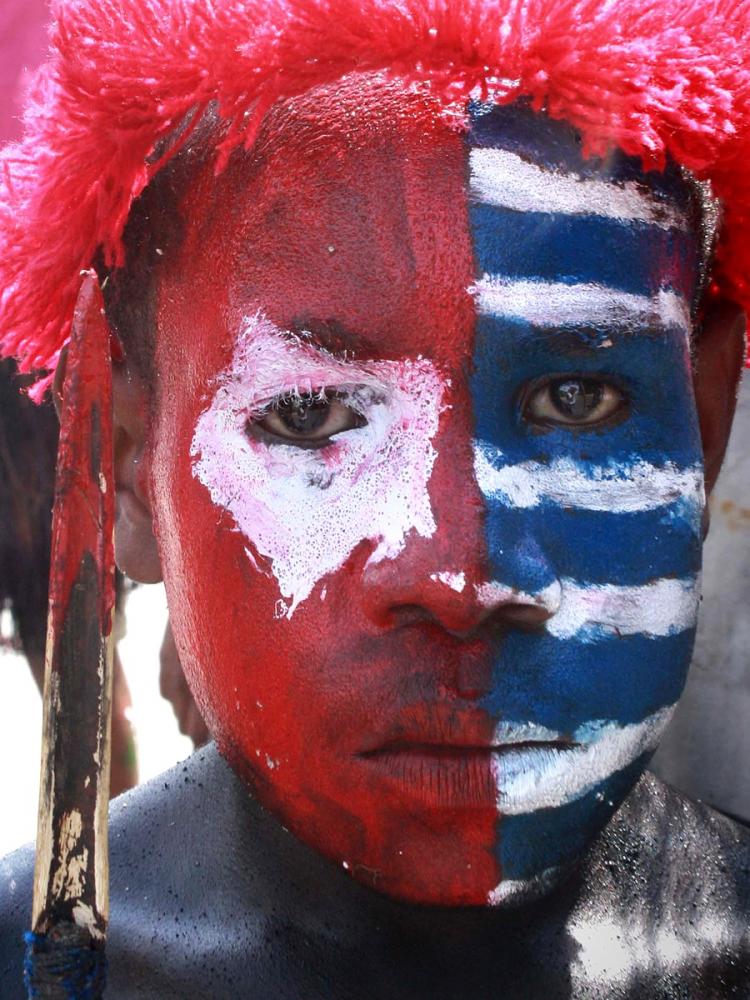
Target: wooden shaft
x=71 y=873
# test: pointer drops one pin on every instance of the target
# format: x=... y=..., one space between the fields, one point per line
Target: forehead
x=366 y=212
x=538 y=206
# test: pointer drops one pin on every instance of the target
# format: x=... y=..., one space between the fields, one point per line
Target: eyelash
x=291 y=394
x=281 y=409
x=582 y=390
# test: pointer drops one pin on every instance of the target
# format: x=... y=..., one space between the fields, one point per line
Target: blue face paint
x=588 y=270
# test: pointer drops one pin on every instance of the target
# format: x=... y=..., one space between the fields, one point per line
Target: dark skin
x=174 y=688
x=212 y=897
x=242 y=906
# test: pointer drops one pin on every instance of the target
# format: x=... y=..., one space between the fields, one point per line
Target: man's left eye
x=574 y=401
x=311 y=417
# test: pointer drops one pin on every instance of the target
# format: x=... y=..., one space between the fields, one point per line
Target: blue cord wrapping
x=62 y=965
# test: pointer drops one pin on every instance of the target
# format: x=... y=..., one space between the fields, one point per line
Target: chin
x=435 y=854
x=509 y=894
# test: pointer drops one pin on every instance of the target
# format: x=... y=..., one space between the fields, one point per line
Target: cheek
x=221 y=610
x=246 y=531
x=212 y=594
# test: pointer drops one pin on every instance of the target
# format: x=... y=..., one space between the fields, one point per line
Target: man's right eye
x=573 y=401
x=310 y=418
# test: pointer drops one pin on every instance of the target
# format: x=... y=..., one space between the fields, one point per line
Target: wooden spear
x=65 y=949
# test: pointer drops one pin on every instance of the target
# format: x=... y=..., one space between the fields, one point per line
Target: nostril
x=461 y=607
x=526 y=616
x=456 y=618
x=404 y=615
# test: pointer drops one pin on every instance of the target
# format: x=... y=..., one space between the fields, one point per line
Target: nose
x=460 y=602
x=474 y=569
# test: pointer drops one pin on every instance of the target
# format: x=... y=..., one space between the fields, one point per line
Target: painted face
x=427 y=481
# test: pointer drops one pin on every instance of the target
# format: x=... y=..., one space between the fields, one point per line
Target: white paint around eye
x=556 y=305
x=545 y=778
x=619 y=487
x=304 y=510
x=499 y=177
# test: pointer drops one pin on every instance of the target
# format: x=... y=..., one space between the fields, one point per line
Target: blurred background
x=705 y=752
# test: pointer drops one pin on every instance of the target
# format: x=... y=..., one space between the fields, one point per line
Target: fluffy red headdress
x=654 y=77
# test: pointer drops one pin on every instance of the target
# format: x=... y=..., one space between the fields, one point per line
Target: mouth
x=460 y=775
x=454 y=756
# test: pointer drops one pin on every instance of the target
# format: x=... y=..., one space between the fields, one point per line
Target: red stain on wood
x=70 y=879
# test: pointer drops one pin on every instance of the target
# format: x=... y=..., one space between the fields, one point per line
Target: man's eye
x=312 y=417
x=573 y=401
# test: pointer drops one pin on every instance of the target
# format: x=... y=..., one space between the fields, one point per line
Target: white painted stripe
x=555 y=304
x=619 y=487
x=502 y=178
x=531 y=779
x=492 y=593
x=597 y=611
x=662 y=607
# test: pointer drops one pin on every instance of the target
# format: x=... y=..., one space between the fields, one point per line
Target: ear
x=136 y=551
x=719 y=360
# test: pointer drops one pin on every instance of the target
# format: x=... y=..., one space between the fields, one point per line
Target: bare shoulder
x=163 y=836
x=207 y=891
x=670 y=913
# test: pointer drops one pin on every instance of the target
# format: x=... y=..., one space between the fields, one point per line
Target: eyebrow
x=504 y=179
x=559 y=305
x=333 y=336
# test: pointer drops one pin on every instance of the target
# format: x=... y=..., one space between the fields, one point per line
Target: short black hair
x=154 y=229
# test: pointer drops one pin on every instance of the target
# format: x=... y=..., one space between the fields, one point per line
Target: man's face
x=427 y=483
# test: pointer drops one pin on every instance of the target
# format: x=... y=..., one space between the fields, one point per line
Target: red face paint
x=356 y=718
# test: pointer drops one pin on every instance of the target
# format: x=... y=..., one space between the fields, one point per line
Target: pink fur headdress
x=653 y=77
